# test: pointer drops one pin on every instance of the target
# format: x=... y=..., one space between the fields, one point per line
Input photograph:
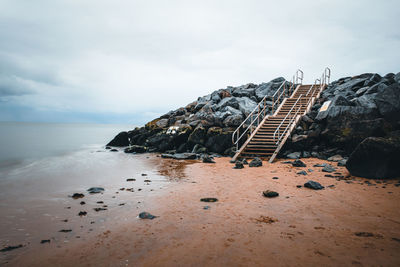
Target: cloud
x=132 y=57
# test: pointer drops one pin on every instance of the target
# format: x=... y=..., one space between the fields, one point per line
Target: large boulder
x=122 y=139
x=388 y=103
x=376 y=158
x=219 y=139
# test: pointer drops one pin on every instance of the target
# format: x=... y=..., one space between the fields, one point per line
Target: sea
x=43 y=164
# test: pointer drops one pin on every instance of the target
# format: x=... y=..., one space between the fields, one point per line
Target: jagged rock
x=335 y=158
x=238 y=165
x=256 y=162
x=180 y=156
x=298 y=163
x=207 y=159
x=328 y=168
x=376 y=158
x=294 y=155
x=135 y=149
x=388 y=102
x=121 y=139
x=198 y=135
x=313 y=185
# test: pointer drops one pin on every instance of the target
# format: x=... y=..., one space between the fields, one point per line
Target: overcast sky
x=129 y=61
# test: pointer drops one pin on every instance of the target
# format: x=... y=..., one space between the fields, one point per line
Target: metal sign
x=325 y=106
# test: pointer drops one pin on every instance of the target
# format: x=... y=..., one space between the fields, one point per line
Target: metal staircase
x=266 y=133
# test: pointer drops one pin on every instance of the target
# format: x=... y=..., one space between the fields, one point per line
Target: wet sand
x=351 y=223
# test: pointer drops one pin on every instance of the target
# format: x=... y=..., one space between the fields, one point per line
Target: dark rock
x=256 y=162
x=8 y=248
x=364 y=234
x=238 y=165
x=82 y=213
x=65 y=231
x=45 y=241
x=114 y=150
x=342 y=162
x=209 y=199
x=376 y=158
x=95 y=190
x=328 y=168
x=313 y=185
x=275 y=178
x=294 y=155
x=320 y=165
x=77 y=195
x=270 y=194
x=146 y=215
x=244 y=161
x=388 y=102
x=122 y=139
x=299 y=186
x=82 y=203
x=287 y=162
x=298 y=163
x=302 y=173
x=180 y=156
x=135 y=149
x=99 y=209
x=130 y=179
x=107 y=147
x=335 y=158
x=198 y=135
x=207 y=159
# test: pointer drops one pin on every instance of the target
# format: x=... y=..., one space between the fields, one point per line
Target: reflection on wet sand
x=172 y=169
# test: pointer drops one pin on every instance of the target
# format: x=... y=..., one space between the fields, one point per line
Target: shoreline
x=351 y=223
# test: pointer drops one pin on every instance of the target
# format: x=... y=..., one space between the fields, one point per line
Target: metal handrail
x=261 y=110
x=277 y=131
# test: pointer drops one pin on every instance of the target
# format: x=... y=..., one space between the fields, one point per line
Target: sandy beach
x=350 y=222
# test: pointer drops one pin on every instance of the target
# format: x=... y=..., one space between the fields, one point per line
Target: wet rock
x=270 y=194
x=328 y=168
x=114 y=150
x=130 y=179
x=275 y=178
x=207 y=159
x=320 y=165
x=45 y=241
x=313 y=185
x=9 y=248
x=342 y=162
x=376 y=158
x=294 y=155
x=135 y=149
x=82 y=203
x=107 y=147
x=77 y=195
x=209 y=199
x=95 y=190
x=302 y=173
x=244 y=161
x=335 y=158
x=122 y=139
x=65 y=231
x=146 y=215
x=180 y=156
x=256 y=162
x=99 y=209
x=238 y=165
x=82 y=213
x=298 y=163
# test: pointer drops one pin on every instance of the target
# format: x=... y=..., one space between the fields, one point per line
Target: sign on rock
x=325 y=106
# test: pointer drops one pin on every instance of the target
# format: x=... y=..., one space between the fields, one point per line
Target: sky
x=130 y=61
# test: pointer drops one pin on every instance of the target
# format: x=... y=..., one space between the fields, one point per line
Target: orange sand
x=301 y=227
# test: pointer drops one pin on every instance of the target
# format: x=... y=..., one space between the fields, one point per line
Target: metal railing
x=324 y=80
x=258 y=114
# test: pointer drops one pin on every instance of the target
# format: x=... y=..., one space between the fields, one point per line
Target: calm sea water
x=21 y=141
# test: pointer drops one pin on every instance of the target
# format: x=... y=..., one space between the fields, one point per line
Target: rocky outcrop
x=203 y=126
x=362 y=106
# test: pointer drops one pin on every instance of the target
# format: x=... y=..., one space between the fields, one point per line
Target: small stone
x=256 y=162
x=99 y=209
x=114 y=150
x=95 y=190
x=287 y=162
x=298 y=163
x=270 y=194
x=244 y=161
x=294 y=155
x=45 y=241
x=10 y=248
x=320 y=165
x=302 y=173
x=342 y=162
x=130 y=179
x=82 y=213
x=313 y=185
x=209 y=199
x=147 y=181
x=77 y=195
x=206 y=207
x=328 y=168
x=335 y=158
x=146 y=215
x=238 y=165
x=299 y=186
x=275 y=178
x=208 y=159
x=65 y=231
x=82 y=203
x=364 y=234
